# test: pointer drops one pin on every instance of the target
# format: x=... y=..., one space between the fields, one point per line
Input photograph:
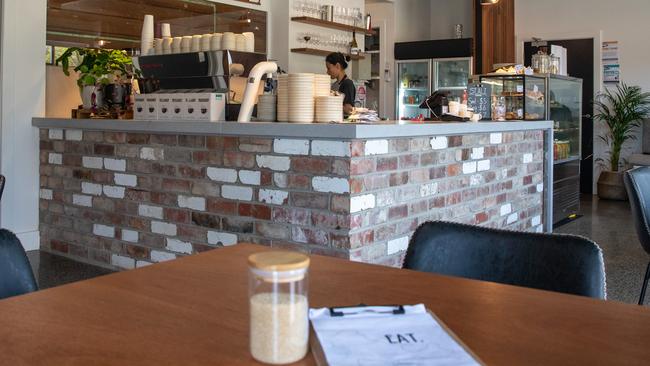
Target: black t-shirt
x=346 y=86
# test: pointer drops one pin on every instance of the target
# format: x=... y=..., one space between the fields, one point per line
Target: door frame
x=383 y=58
x=598 y=78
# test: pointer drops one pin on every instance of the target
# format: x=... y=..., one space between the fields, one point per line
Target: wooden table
x=194 y=311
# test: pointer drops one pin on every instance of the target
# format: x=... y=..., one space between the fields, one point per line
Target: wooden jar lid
x=278 y=261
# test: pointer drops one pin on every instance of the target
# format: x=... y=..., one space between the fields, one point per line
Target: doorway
x=580 y=64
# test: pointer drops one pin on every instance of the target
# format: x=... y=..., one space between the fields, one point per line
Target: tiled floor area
x=608 y=223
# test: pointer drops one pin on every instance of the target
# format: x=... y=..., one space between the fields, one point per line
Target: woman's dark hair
x=338 y=58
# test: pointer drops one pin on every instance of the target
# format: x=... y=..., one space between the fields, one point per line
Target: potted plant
x=622 y=111
x=97 y=68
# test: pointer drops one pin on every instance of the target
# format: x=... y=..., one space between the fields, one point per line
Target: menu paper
x=369 y=336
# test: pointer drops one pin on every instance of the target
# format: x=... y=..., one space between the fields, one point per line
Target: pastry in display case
x=517 y=97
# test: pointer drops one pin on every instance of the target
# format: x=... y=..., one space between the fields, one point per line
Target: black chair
x=2 y=185
x=637 y=182
x=562 y=263
x=16 y=277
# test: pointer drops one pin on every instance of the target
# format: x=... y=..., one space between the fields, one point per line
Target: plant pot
x=611 y=186
x=116 y=95
x=92 y=97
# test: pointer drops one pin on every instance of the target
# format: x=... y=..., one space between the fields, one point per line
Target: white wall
x=412 y=20
x=445 y=14
x=23 y=97
x=625 y=21
x=61 y=92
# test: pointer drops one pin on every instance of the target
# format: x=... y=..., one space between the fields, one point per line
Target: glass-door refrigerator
x=451 y=75
x=413 y=87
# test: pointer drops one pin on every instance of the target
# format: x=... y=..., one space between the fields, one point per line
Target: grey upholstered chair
x=561 y=263
x=16 y=276
x=637 y=182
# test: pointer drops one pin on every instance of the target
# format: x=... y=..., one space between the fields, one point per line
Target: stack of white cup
x=176 y=45
x=301 y=97
x=228 y=41
x=196 y=43
x=157 y=46
x=146 y=40
x=240 y=42
x=283 y=98
x=329 y=109
x=186 y=44
x=167 y=45
x=266 y=108
x=206 y=42
x=250 y=41
x=215 y=42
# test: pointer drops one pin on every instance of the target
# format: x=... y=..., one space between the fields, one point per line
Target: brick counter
x=127 y=199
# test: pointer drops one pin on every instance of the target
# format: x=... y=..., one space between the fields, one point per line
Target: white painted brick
x=130 y=236
x=273 y=197
x=250 y=177
x=537 y=220
x=376 y=147
x=483 y=165
x=55 y=158
x=361 y=203
x=74 y=135
x=496 y=138
x=291 y=147
x=141 y=264
x=91 y=188
x=428 y=189
x=528 y=158
x=506 y=209
x=194 y=203
x=158 y=256
x=118 y=165
x=122 y=262
x=175 y=245
x=163 y=228
x=218 y=238
x=92 y=162
x=328 y=184
x=280 y=180
x=103 y=230
x=55 y=134
x=330 y=148
x=469 y=167
x=81 y=200
x=150 y=211
x=540 y=188
x=398 y=245
x=222 y=175
x=439 y=142
x=476 y=179
x=478 y=153
x=237 y=193
x=127 y=180
x=512 y=218
x=114 y=192
x=539 y=229
x=46 y=194
x=277 y=163
x=150 y=153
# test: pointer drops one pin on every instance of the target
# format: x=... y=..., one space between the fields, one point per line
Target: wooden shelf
x=332 y=25
x=317 y=52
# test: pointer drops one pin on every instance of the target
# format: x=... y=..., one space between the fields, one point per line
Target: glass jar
x=279 y=319
x=541 y=63
x=555 y=65
x=499 y=108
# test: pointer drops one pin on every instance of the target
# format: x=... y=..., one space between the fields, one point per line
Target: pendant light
x=489 y=2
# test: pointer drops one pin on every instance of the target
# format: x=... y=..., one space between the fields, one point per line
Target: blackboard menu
x=479 y=98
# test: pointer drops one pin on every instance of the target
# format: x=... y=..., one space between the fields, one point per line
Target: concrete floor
x=608 y=223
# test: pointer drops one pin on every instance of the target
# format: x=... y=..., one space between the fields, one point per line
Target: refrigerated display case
x=452 y=75
x=413 y=87
x=517 y=97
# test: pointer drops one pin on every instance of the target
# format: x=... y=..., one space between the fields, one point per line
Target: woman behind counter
x=336 y=64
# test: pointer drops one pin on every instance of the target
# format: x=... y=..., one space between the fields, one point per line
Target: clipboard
x=382 y=313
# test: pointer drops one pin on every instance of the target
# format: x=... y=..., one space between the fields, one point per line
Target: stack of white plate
x=329 y=109
x=266 y=110
x=240 y=42
x=322 y=85
x=283 y=98
x=228 y=41
x=301 y=98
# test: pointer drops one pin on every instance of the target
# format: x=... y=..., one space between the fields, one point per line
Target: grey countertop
x=385 y=129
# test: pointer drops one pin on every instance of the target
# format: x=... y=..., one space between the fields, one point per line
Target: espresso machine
x=224 y=72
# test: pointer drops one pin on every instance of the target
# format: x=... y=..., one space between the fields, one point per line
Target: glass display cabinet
x=414 y=86
x=452 y=75
x=517 y=97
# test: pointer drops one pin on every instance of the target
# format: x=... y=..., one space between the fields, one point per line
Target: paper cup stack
x=329 y=109
x=266 y=111
x=228 y=41
x=250 y=41
x=215 y=42
x=301 y=98
x=146 y=40
x=283 y=98
x=206 y=41
x=322 y=85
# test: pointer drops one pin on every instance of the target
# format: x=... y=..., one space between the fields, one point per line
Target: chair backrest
x=637 y=183
x=16 y=276
x=2 y=185
x=561 y=263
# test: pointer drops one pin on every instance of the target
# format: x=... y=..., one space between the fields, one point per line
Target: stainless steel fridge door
x=452 y=74
x=413 y=86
